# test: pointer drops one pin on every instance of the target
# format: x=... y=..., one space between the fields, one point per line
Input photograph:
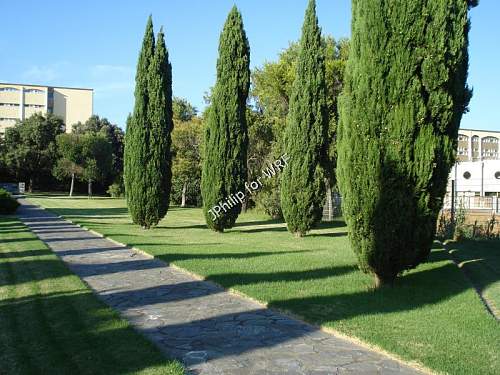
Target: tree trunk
x=72 y=184
x=329 y=200
x=89 y=190
x=183 y=199
x=383 y=281
x=30 y=189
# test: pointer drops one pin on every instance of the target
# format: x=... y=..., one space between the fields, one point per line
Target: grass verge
x=480 y=260
x=51 y=323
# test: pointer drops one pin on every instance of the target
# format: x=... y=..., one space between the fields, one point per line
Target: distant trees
x=87 y=157
x=271 y=91
x=147 y=171
x=183 y=110
x=226 y=139
x=306 y=134
x=187 y=137
x=29 y=147
x=70 y=162
x=97 y=159
x=115 y=136
x=401 y=108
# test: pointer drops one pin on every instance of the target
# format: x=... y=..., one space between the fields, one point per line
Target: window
x=8 y=89
x=475 y=138
x=34 y=91
x=490 y=140
x=467 y=175
x=8 y=119
x=33 y=106
x=9 y=105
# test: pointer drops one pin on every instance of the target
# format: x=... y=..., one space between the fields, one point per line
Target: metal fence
x=332 y=207
x=474 y=203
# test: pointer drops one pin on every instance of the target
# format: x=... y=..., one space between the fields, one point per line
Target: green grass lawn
x=432 y=316
x=481 y=262
x=51 y=323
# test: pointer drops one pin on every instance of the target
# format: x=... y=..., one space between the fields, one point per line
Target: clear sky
x=95 y=44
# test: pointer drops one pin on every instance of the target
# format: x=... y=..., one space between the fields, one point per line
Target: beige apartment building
x=477 y=145
x=20 y=101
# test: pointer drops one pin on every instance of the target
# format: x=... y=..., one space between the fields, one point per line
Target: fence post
x=452 y=201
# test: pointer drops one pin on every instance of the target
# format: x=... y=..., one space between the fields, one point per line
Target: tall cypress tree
x=137 y=135
x=403 y=99
x=306 y=134
x=147 y=169
x=226 y=139
x=158 y=166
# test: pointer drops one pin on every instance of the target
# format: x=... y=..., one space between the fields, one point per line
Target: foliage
x=183 y=110
x=115 y=136
x=8 y=205
x=70 y=162
x=271 y=90
x=117 y=189
x=147 y=170
x=96 y=157
x=30 y=147
x=303 y=181
x=226 y=140
x=401 y=107
x=186 y=167
x=159 y=162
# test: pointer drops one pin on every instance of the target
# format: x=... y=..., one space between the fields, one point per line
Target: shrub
x=8 y=205
x=116 y=189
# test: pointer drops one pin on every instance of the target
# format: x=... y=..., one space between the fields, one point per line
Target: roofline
x=480 y=130
x=55 y=87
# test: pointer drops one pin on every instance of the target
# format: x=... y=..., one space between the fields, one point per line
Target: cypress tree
x=137 y=134
x=404 y=96
x=158 y=166
x=226 y=140
x=147 y=169
x=306 y=134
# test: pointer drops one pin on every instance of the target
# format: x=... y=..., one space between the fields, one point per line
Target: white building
x=476 y=178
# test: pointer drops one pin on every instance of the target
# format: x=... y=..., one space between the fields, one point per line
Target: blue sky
x=95 y=44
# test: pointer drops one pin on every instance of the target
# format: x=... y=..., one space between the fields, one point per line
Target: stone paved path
x=210 y=330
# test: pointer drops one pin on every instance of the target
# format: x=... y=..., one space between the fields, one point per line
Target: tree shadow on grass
x=93 y=337
x=331 y=234
x=480 y=260
x=410 y=292
x=229 y=280
x=173 y=257
x=25 y=253
x=117 y=212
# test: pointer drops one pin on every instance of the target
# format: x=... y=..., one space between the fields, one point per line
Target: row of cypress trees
x=400 y=112
x=147 y=158
x=226 y=139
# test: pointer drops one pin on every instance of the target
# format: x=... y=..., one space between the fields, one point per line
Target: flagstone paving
x=210 y=330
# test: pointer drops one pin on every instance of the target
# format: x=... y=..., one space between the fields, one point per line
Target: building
x=20 y=101
x=477 y=145
x=475 y=177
